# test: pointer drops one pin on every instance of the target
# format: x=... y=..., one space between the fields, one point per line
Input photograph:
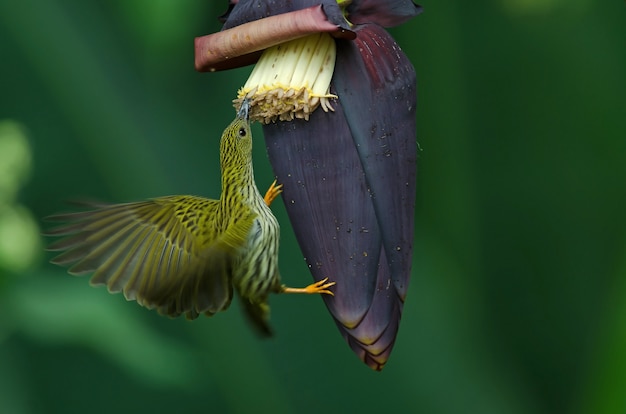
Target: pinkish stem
x=242 y=45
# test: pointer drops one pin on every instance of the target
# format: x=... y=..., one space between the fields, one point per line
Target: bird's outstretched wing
x=166 y=253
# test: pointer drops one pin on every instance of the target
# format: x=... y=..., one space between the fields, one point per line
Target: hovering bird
x=184 y=254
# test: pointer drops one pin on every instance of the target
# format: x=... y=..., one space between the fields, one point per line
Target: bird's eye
x=242 y=132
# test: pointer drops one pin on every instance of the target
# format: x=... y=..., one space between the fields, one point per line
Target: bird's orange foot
x=317 y=287
x=272 y=193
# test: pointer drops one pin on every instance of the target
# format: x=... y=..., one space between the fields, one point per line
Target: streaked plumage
x=183 y=254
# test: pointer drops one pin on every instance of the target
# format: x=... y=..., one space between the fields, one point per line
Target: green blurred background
x=518 y=298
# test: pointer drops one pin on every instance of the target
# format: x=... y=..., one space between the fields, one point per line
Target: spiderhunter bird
x=184 y=254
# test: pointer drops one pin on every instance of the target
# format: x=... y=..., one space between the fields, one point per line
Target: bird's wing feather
x=166 y=253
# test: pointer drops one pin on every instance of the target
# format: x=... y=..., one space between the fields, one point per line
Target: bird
x=183 y=254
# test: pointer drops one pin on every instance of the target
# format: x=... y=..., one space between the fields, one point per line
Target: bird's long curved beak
x=244 y=110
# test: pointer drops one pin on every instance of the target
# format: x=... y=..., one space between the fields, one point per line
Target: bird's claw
x=317 y=287
x=320 y=287
x=272 y=193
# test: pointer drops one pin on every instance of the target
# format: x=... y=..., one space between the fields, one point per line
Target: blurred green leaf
x=52 y=308
x=20 y=244
x=15 y=160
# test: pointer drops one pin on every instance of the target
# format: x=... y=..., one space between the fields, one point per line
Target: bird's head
x=236 y=144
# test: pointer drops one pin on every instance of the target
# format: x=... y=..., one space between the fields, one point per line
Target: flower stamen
x=291 y=80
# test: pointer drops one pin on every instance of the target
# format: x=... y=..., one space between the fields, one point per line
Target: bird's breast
x=257 y=275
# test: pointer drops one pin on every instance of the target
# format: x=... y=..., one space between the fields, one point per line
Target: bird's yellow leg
x=272 y=193
x=317 y=287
